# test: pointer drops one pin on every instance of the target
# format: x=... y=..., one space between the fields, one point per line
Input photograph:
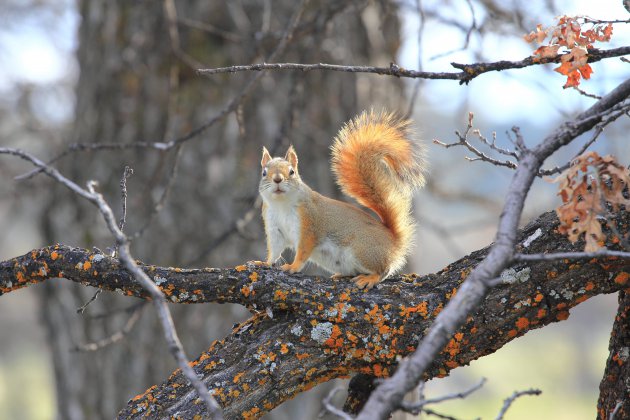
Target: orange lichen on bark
x=563 y=315
x=240 y=268
x=589 y=286
x=452 y=347
x=538 y=297
x=253 y=276
x=87 y=265
x=253 y=413
x=302 y=356
x=522 y=323
x=284 y=349
x=622 y=278
x=512 y=333
x=421 y=309
x=20 y=277
x=280 y=295
x=54 y=255
x=245 y=291
x=335 y=339
x=452 y=364
x=541 y=313
x=238 y=377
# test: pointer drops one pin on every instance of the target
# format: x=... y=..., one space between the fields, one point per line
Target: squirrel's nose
x=277 y=179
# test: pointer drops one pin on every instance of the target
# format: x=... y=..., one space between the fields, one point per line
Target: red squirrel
x=377 y=162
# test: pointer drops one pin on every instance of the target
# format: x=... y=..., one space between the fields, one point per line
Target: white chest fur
x=283 y=224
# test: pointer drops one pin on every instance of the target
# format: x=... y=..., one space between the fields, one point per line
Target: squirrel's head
x=279 y=175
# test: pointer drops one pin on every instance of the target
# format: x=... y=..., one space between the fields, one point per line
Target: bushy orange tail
x=376 y=162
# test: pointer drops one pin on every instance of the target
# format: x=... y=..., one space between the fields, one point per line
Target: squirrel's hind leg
x=367 y=281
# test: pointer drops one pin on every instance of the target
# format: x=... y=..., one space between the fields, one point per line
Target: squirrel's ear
x=292 y=158
x=266 y=157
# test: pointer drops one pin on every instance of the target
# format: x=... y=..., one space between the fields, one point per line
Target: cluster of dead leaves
x=586 y=187
x=569 y=35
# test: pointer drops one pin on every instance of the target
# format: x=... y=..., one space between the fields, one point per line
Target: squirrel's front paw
x=259 y=263
x=367 y=281
x=289 y=267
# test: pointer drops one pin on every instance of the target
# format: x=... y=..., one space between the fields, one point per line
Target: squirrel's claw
x=366 y=281
x=288 y=267
x=259 y=263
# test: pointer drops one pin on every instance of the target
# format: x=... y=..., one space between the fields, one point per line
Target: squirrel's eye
x=264 y=172
x=291 y=171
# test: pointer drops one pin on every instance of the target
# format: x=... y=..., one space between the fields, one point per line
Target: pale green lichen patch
x=322 y=332
x=511 y=276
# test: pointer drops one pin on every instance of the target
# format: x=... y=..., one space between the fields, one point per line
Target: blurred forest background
x=124 y=72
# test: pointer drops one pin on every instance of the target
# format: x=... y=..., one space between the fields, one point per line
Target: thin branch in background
x=164 y=315
x=127 y=310
x=517 y=394
x=237 y=226
x=416 y=408
x=416 y=86
x=572 y=255
x=598 y=130
x=82 y=309
x=123 y=197
x=211 y=29
x=468 y=71
x=194 y=133
x=463 y=141
x=159 y=205
x=117 y=336
x=584 y=93
x=434 y=413
x=469 y=32
x=329 y=407
x=444 y=235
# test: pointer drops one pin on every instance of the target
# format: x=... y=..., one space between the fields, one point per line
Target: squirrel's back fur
x=377 y=162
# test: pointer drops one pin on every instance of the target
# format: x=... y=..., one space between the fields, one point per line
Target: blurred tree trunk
x=137 y=83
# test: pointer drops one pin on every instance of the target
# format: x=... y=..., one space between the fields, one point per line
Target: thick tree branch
x=322 y=329
x=467 y=73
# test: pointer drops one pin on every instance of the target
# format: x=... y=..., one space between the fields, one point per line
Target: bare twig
x=434 y=413
x=418 y=83
x=117 y=336
x=211 y=29
x=174 y=344
x=417 y=407
x=467 y=73
x=571 y=255
x=621 y=109
x=469 y=32
x=330 y=407
x=92 y=299
x=463 y=141
x=584 y=93
x=123 y=197
x=508 y=401
x=159 y=205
